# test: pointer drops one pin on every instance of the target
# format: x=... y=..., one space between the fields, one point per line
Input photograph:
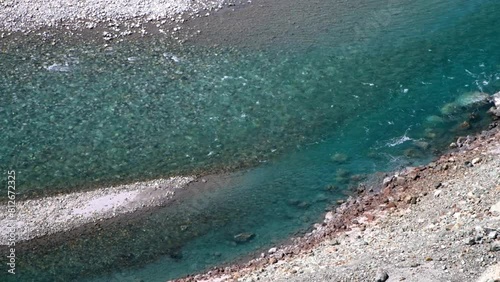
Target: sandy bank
x=39 y=217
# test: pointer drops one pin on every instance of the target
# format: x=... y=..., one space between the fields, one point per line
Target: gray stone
x=243 y=237
x=495 y=98
x=495 y=208
x=422 y=145
x=469 y=241
x=387 y=180
x=400 y=180
x=495 y=111
x=411 y=199
x=476 y=161
x=472 y=98
x=495 y=247
x=381 y=276
x=339 y=158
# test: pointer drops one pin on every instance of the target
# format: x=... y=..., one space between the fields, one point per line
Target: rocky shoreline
x=26 y=15
x=438 y=222
x=104 y=21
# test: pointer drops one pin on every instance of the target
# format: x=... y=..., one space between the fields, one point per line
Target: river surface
x=297 y=100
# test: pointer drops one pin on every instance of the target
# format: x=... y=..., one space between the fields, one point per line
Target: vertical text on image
x=11 y=225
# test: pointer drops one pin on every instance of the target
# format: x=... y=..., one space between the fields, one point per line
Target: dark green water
x=363 y=85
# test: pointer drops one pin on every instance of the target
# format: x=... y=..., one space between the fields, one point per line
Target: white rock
x=495 y=207
x=471 y=98
x=491 y=274
x=476 y=161
x=496 y=99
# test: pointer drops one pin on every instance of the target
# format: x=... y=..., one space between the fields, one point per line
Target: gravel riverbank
x=439 y=222
x=49 y=215
x=23 y=15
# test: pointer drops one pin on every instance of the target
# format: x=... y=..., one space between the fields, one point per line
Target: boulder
x=422 y=144
x=494 y=111
x=449 y=109
x=466 y=100
x=434 y=119
x=339 y=158
x=472 y=98
x=495 y=98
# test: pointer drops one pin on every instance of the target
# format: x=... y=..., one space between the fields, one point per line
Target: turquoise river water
x=297 y=106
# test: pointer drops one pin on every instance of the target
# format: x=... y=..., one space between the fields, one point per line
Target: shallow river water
x=297 y=100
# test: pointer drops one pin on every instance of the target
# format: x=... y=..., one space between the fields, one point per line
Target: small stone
x=496 y=99
x=331 y=188
x=469 y=241
x=400 y=180
x=492 y=235
x=329 y=216
x=495 y=247
x=335 y=243
x=494 y=111
x=387 y=180
x=476 y=161
x=391 y=205
x=453 y=145
x=465 y=125
x=495 y=208
x=303 y=205
x=243 y=237
x=422 y=145
x=381 y=276
x=273 y=260
x=339 y=158
x=411 y=199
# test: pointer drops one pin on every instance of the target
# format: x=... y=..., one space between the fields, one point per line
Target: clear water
x=84 y=116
